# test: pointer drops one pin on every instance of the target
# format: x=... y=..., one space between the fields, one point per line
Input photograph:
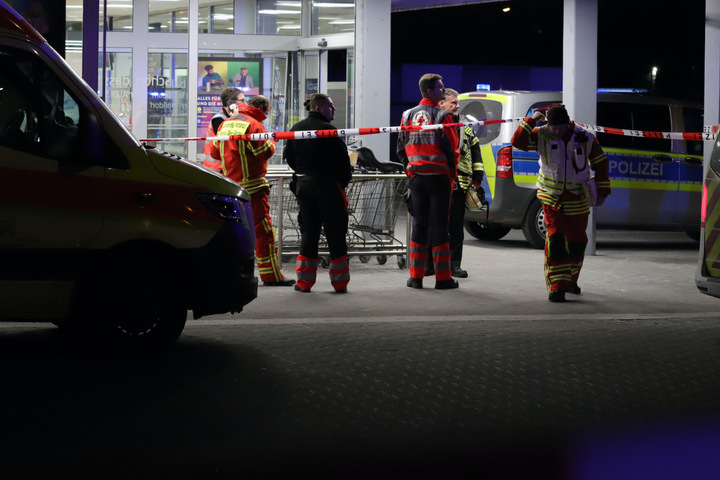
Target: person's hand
x=474 y=184
x=600 y=200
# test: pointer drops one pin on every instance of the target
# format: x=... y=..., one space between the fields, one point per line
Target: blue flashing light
x=622 y=90
x=482 y=86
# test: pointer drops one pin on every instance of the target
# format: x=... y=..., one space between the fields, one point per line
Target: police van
x=656 y=182
x=99 y=233
x=707 y=273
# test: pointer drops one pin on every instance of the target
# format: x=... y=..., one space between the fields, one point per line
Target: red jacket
x=430 y=152
x=245 y=162
x=212 y=153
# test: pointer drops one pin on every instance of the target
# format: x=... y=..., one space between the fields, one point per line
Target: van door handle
x=694 y=161
x=662 y=158
x=143 y=198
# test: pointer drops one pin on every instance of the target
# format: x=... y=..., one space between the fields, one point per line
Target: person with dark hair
x=212 y=78
x=245 y=162
x=231 y=98
x=430 y=158
x=469 y=175
x=568 y=154
x=322 y=173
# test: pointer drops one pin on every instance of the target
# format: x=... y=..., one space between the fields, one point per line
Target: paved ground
x=486 y=381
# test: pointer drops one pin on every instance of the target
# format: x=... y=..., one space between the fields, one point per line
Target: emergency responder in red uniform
x=430 y=158
x=322 y=172
x=229 y=97
x=469 y=175
x=568 y=153
x=245 y=162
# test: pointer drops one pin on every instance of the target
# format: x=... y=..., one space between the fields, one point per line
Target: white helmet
x=473 y=200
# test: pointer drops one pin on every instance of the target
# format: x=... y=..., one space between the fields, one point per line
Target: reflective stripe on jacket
x=211 y=151
x=563 y=167
x=245 y=162
x=431 y=152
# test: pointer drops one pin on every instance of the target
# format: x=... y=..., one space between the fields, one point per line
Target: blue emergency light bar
x=482 y=86
x=622 y=90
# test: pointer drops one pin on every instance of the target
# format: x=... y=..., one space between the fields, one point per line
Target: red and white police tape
x=709 y=132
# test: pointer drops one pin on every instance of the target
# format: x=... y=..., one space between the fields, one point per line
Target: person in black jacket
x=322 y=172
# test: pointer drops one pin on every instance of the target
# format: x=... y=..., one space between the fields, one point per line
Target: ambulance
x=101 y=235
x=656 y=182
x=707 y=273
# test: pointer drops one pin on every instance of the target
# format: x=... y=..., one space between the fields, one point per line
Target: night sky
x=633 y=36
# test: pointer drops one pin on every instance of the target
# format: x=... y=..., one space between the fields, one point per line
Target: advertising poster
x=215 y=74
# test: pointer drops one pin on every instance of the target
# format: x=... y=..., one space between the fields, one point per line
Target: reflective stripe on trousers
x=441 y=259
x=306 y=269
x=339 y=273
x=417 y=259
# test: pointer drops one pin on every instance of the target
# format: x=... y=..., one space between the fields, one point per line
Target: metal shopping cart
x=374 y=201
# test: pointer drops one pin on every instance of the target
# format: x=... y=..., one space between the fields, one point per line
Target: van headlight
x=227 y=207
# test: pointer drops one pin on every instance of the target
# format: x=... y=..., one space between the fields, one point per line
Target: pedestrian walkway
x=633 y=274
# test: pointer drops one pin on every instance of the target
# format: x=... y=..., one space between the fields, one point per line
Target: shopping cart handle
x=367 y=159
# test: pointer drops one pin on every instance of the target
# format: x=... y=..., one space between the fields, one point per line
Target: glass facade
x=151 y=77
x=118 y=85
x=167 y=100
x=217 y=18
x=333 y=17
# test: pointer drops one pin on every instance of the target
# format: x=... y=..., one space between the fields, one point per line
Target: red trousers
x=564 y=247
x=265 y=251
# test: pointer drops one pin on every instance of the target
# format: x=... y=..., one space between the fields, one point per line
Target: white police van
x=97 y=232
x=656 y=183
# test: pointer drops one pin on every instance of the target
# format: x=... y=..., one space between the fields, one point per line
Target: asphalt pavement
x=488 y=381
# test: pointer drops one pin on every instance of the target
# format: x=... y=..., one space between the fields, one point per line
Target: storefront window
x=278 y=17
x=118 y=86
x=168 y=16
x=216 y=18
x=167 y=100
x=337 y=16
x=119 y=15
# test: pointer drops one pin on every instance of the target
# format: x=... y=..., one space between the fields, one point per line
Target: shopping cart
x=374 y=201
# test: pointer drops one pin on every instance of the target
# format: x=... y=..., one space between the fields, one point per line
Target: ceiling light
x=333 y=5
x=279 y=12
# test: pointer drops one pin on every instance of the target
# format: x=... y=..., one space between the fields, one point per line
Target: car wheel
x=533 y=226
x=486 y=232
x=134 y=300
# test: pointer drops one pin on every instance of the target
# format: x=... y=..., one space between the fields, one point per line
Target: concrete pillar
x=580 y=72
x=372 y=71
x=712 y=71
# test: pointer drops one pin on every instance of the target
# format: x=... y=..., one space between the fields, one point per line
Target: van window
x=693 y=120
x=479 y=110
x=630 y=116
x=37 y=114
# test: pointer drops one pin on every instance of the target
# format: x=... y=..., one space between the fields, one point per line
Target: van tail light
x=504 y=163
x=703 y=206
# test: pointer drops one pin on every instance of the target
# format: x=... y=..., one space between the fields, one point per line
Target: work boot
x=285 y=282
x=297 y=288
x=459 y=272
x=574 y=289
x=414 y=282
x=446 y=284
x=558 y=296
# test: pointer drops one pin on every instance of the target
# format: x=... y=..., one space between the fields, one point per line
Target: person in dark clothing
x=322 y=172
x=430 y=158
